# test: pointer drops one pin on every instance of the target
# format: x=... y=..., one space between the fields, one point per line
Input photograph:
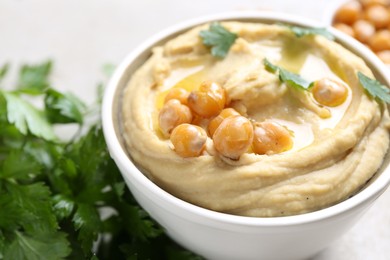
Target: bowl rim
x=372 y=191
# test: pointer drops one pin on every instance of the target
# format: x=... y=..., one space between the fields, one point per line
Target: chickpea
x=233 y=137
x=200 y=121
x=179 y=94
x=363 y=30
x=378 y=15
x=329 y=92
x=349 y=12
x=216 y=121
x=345 y=29
x=368 y=3
x=172 y=114
x=188 y=140
x=208 y=101
x=218 y=92
x=380 y=41
x=384 y=56
x=271 y=138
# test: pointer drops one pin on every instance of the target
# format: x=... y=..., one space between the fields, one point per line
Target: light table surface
x=82 y=35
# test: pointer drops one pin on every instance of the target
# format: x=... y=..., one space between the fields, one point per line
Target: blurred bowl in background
x=368 y=21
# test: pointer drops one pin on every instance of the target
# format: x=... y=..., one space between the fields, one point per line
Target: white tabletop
x=82 y=35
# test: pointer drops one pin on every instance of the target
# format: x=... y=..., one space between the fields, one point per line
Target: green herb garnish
x=3 y=70
x=288 y=77
x=374 y=88
x=303 y=31
x=27 y=118
x=34 y=79
x=52 y=191
x=63 y=107
x=219 y=39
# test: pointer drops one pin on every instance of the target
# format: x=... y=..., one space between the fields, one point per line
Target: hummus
x=336 y=150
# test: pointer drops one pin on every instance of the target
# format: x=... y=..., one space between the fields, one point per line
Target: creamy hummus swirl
x=336 y=150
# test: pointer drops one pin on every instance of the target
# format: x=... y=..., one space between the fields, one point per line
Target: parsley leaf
x=374 y=88
x=3 y=70
x=63 y=206
x=47 y=154
x=174 y=253
x=2 y=243
x=270 y=67
x=12 y=168
x=27 y=118
x=304 y=31
x=87 y=221
x=90 y=155
x=43 y=247
x=288 y=77
x=108 y=69
x=52 y=193
x=63 y=108
x=35 y=200
x=140 y=224
x=10 y=211
x=33 y=79
x=219 y=39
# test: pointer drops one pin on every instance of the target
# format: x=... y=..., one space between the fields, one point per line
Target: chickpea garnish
x=208 y=101
x=216 y=121
x=329 y=92
x=271 y=138
x=233 y=137
x=172 y=114
x=179 y=94
x=188 y=140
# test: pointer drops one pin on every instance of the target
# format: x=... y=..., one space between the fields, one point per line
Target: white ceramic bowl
x=215 y=235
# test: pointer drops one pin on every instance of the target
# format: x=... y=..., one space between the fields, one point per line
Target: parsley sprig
x=374 y=88
x=288 y=77
x=304 y=31
x=52 y=192
x=219 y=39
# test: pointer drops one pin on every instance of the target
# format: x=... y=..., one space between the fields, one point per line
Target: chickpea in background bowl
x=369 y=22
